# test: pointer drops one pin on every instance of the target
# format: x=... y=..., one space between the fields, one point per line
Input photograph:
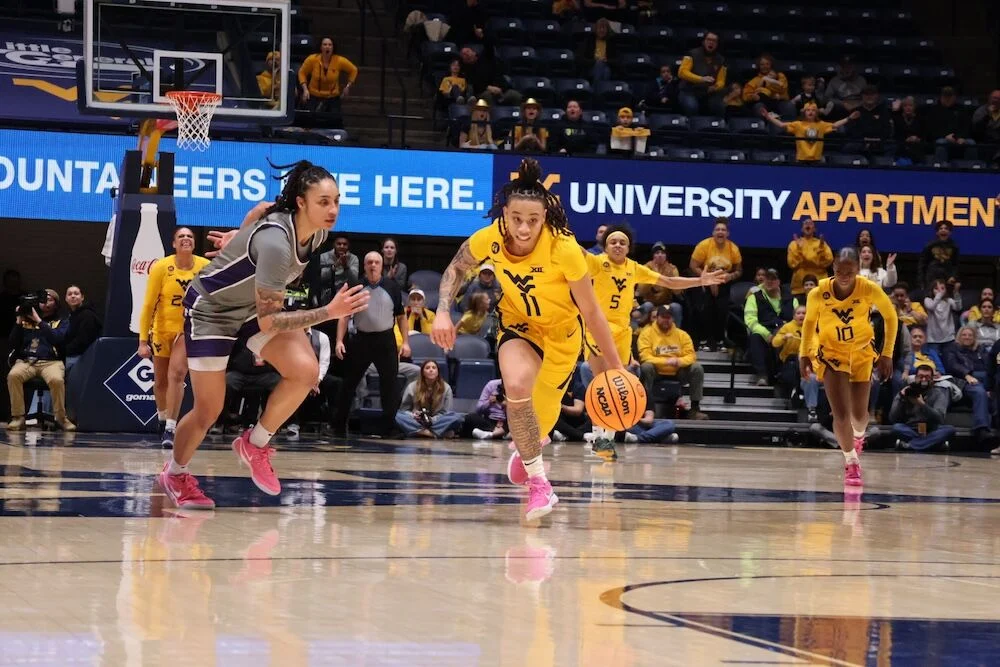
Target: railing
x=365 y=7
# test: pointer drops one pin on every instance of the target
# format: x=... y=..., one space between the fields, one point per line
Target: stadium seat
x=790 y=17
x=772 y=41
x=504 y=119
x=574 y=89
x=597 y=121
x=873 y=75
x=710 y=130
x=847 y=44
x=656 y=38
x=725 y=155
x=738 y=43
x=469 y=346
x=260 y=43
x=753 y=16
x=846 y=160
x=557 y=62
x=427 y=280
x=685 y=154
x=506 y=31
x=689 y=38
x=919 y=49
x=552 y=115
x=741 y=69
x=531 y=9
x=667 y=128
x=881 y=48
x=422 y=349
x=749 y=131
x=809 y=45
x=302 y=47
x=863 y=20
x=612 y=94
x=471 y=375
x=968 y=164
x=681 y=13
x=626 y=39
x=545 y=33
x=538 y=87
x=431 y=298
x=883 y=161
x=903 y=78
x=938 y=75
x=769 y=157
x=637 y=66
x=519 y=59
x=437 y=55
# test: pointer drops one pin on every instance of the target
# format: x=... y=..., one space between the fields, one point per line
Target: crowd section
x=379 y=369
x=769 y=83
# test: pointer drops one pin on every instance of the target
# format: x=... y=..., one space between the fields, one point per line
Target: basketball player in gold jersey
x=546 y=290
x=838 y=344
x=615 y=277
x=161 y=325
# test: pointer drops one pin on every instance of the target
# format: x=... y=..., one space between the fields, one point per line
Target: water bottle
x=147 y=249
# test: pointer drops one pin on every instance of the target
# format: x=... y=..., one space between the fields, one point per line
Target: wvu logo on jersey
x=520 y=327
x=524 y=285
x=620 y=282
x=183 y=284
x=845 y=316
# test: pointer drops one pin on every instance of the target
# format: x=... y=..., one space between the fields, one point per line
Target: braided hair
x=527 y=185
x=300 y=176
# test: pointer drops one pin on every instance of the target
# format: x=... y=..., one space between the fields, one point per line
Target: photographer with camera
x=36 y=342
x=489 y=421
x=916 y=424
x=425 y=410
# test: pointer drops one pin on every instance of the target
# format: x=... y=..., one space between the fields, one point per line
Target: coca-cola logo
x=141 y=267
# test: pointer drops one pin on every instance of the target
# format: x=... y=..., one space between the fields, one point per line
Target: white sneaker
x=631 y=437
x=673 y=437
x=995 y=451
x=558 y=437
x=589 y=437
x=293 y=430
x=480 y=434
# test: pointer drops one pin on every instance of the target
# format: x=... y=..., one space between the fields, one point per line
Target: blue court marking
x=842 y=640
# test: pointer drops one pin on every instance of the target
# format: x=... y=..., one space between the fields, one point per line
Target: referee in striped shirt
x=373 y=343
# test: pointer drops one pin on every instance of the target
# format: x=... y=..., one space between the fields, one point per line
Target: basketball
x=616 y=400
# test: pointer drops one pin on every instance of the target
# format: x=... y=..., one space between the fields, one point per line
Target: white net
x=194 y=116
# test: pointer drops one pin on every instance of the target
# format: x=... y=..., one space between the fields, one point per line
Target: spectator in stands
x=871 y=133
x=768 y=91
x=920 y=354
x=808 y=254
x=489 y=421
x=949 y=128
x=764 y=313
x=987 y=330
x=787 y=341
x=909 y=131
x=844 y=90
x=596 y=50
x=425 y=410
x=453 y=86
x=269 y=80
x=574 y=424
x=249 y=380
x=966 y=362
x=573 y=137
x=942 y=302
x=648 y=430
x=666 y=350
x=483 y=82
x=733 y=101
x=974 y=314
x=468 y=23
x=529 y=136
x=337 y=267
x=373 y=343
x=320 y=76
x=662 y=296
x=418 y=315
x=872 y=270
x=474 y=318
x=810 y=93
x=915 y=421
x=565 y=10
x=628 y=134
x=758 y=279
x=661 y=96
x=476 y=131
x=84 y=326
x=328 y=385
x=36 y=341
x=598 y=246
x=986 y=129
x=714 y=253
x=485 y=282
x=809 y=283
x=392 y=268
x=939 y=258
x=703 y=78
x=910 y=312
x=810 y=133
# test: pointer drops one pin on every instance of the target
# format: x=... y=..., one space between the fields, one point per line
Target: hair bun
x=529 y=171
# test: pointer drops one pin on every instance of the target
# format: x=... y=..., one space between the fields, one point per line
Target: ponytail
x=301 y=176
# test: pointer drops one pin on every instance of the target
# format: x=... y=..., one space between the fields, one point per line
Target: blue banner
x=67 y=176
x=677 y=202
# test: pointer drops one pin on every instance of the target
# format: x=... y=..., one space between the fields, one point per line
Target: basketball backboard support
x=135 y=51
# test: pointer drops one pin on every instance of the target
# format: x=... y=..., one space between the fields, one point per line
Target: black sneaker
x=167 y=439
x=812 y=418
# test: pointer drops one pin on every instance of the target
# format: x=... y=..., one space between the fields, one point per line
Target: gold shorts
x=559 y=349
x=857 y=362
x=623 y=343
x=162 y=343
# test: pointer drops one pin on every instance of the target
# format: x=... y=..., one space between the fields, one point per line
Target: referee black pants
x=364 y=349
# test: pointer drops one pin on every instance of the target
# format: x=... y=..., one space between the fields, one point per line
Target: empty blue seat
x=574 y=89
x=468 y=346
x=506 y=31
x=428 y=280
x=519 y=59
x=505 y=118
x=438 y=54
x=846 y=160
x=769 y=157
x=545 y=33
x=422 y=349
x=471 y=375
x=613 y=94
x=538 y=87
x=557 y=62
x=637 y=66
x=656 y=38
x=685 y=154
x=726 y=155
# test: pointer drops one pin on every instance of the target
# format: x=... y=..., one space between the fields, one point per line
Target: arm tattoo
x=453 y=277
x=270 y=303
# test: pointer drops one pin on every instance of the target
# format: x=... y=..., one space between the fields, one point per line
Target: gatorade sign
x=132 y=385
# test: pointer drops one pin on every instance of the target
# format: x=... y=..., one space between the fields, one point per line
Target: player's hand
x=443 y=332
x=144 y=351
x=220 y=240
x=346 y=302
x=717 y=277
x=340 y=350
x=404 y=350
x=806 y=367
x=884 y=368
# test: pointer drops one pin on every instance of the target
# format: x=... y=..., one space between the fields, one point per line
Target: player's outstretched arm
x=808 y=335
x=271 y=318
x=681 y=283
x=443 y=329
x=597 y=324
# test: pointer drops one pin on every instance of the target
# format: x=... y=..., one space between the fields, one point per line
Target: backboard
x=135 y=51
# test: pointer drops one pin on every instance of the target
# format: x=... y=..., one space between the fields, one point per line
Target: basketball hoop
x=194 y=115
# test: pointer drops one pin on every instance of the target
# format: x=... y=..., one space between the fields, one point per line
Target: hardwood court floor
x=382 y=553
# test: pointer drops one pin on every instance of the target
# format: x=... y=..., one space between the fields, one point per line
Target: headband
x=617 y=233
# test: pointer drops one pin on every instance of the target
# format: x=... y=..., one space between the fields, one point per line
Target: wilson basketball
x=616 y=400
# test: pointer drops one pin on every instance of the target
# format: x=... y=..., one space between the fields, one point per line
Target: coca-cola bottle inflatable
x=146 y=250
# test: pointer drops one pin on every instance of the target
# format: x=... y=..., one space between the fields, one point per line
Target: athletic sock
x=171 y=425
x=534 y=467
x=161 y=415
x=260 y=436
x=857 y=433
x=176 y=468
x=851 y=457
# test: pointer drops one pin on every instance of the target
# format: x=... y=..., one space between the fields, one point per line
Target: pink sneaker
x=183 y=490
x=515 y=467
x=541 y=499
x=258 y=459
x=852 y=474
x=859 y=445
